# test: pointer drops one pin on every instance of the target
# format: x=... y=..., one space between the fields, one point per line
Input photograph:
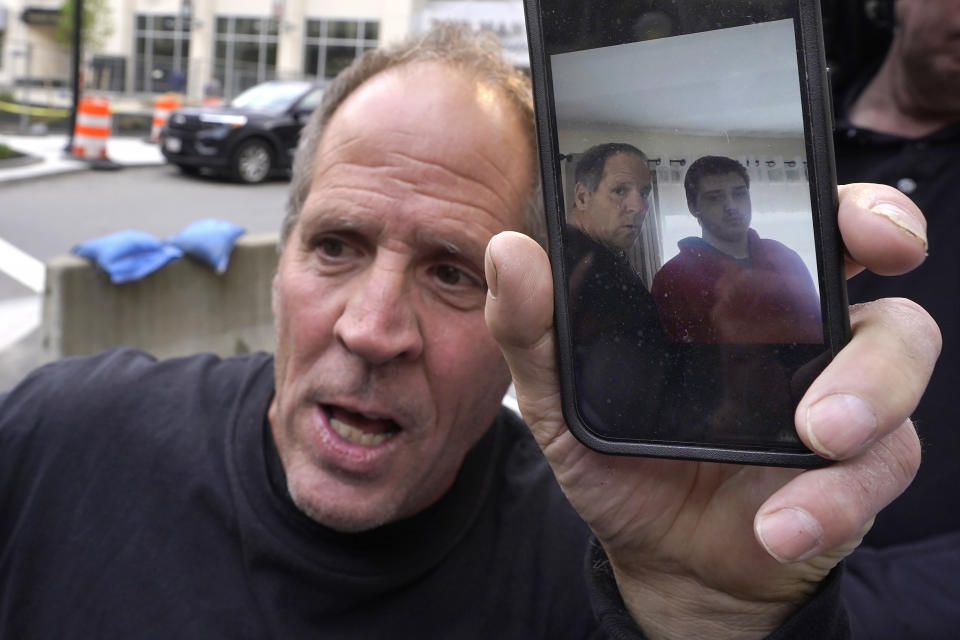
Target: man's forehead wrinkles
x=500 y=169
x=627 y=176
x=337 y=202
x=378 y=205
x=465 y=208
x=438 y=174
x=339 y=139
x=458 y=177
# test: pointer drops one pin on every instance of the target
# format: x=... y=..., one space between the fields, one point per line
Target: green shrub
x=7 y=152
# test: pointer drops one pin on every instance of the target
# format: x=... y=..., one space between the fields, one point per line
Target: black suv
x=251 y=139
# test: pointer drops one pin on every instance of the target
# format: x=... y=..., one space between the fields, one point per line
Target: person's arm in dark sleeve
x=905 y=591
x=823 y=616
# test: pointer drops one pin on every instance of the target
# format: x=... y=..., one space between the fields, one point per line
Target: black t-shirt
x=928 y=170
x=620 y=355
x=135 y=503
x=144 y=499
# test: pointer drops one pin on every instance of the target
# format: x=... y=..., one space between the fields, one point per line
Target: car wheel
x=252 y=161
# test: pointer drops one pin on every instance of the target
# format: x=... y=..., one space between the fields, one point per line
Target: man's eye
x=449 y=275
x=331 y=247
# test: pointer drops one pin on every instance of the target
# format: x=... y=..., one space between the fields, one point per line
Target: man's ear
x=581 y=196
x=692 y=205
x=274 y=301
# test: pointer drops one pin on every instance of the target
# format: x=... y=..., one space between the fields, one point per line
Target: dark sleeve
x=608 y=606
x=905 y=591
x=822 y=617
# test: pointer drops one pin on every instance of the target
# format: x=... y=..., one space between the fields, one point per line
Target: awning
x=40 y=16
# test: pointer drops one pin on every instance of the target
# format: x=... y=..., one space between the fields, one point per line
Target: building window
x=244 y=52
x=161 y=53
x=109 y=73
x=331 y=45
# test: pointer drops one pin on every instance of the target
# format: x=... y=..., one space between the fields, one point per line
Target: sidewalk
x=124 y=151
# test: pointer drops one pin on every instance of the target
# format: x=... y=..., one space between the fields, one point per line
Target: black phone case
x=818 y=118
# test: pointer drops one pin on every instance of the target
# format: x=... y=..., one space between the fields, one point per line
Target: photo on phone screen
x=691 y=201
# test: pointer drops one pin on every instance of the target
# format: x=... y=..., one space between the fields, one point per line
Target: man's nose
x=730 y=204
x=636 y=203
x=379 y=322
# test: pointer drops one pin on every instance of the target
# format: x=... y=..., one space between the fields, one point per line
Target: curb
x=22 y=160
x=39 y=175
x=14 y=164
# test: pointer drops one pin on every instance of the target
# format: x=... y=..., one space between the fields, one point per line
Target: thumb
x=519 y=314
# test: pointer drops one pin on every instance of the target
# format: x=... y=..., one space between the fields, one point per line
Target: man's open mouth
x=359 y=428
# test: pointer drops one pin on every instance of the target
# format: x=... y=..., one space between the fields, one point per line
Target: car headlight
x=223 y=118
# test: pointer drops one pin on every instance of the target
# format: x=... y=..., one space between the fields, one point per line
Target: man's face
x=723 y=206
x=614 y=213
x=928 y=39
x=386 y=374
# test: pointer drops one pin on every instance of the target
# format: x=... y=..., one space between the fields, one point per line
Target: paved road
x=47 y=216
x=43 y=218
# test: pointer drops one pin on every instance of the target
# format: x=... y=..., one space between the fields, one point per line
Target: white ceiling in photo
x=737 y=81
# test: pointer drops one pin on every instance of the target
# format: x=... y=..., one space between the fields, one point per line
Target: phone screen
x=687 y=193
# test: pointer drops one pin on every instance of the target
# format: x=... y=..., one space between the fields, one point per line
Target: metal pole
x=28 y=74
x=77 y=49
x=178 y=35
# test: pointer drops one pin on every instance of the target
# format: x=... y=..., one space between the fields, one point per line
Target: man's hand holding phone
x=720 y=550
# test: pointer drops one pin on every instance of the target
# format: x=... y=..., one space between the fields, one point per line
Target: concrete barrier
x=181 y=309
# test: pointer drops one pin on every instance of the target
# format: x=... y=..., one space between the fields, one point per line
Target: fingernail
x=839 y=424
x=902 y=219
x=790 y=534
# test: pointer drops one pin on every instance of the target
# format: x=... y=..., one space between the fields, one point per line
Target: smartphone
x=690 y=196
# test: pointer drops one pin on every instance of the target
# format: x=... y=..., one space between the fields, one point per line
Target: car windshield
x=270 y=96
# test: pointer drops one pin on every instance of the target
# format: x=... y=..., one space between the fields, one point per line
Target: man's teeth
x=357 y=436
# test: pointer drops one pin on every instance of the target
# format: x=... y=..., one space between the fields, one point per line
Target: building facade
x=221 y=47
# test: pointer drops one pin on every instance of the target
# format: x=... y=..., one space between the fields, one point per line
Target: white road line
x=18 y=317
x=22 y=267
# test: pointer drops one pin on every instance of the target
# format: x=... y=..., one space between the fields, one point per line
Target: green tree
x=97 y=26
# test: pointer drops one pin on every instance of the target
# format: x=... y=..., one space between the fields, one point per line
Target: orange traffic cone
x=92 y=129
x=162 y=108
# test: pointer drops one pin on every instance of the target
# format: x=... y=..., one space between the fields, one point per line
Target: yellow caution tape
x=46 y=112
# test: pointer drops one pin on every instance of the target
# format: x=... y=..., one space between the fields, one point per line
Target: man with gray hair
x=611 y=194
x=365 y=482
x=616 y=332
